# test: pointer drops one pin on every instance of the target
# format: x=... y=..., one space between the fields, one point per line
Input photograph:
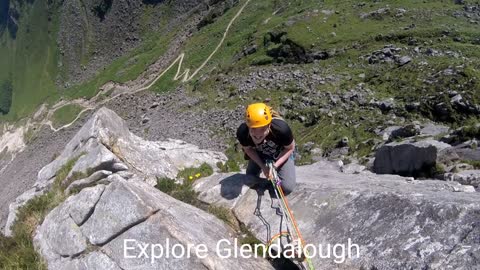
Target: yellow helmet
x=258 y=115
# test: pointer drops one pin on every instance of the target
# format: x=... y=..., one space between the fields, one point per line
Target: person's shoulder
x=242 y=130
x=242 y=127
x=279 y=124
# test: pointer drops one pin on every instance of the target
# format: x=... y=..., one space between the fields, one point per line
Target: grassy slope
x=65 y=115
x=342 y=31
x=351 y=37
x=32 y=61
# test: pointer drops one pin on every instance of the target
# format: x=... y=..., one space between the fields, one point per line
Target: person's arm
x=252 y=153
x=285 y=154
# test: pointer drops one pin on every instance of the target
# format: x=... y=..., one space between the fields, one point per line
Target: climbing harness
x=288 y=215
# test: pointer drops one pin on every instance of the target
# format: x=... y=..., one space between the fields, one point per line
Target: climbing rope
x=287 y=212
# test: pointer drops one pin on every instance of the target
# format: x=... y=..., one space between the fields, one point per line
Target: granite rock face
x=97 y=227
x=397 y=222
x=105 y=144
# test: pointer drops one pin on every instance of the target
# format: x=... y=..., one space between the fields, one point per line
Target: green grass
x=235 y=157
x=32 y=59
x=184 y=191
x=355 y=37
x=17 y=252
x=66 y=114
x=190 y=174
x=474 y=163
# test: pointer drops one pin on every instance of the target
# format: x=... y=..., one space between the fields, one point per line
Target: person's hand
x=267 y=172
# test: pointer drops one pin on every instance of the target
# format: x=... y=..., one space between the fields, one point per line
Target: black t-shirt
x=280 y=135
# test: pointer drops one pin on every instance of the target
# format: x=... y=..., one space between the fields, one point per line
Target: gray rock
x=406 y=158
x=308 y=146
x=352 y=168
x=129 y=213
x=397 y=224
x=79 y=184
x=98 y=158
x=125 y=174
x=145 y=120
x=459 y=167
x=412 y=106
x=112 y=178
x=119 y=167
x=387 y=132
x=433 y=130
x=81 y=206
x=59 y=236
x=404 y=132
x=229 y=186
x=468 y=177
x=93 y=260
x=404 y=60
x=468 y=153
x=386 y=105
x=343 y=142
x=120 y=207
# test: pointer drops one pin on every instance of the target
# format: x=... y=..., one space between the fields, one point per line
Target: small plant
x=229 y=166
x=183 y=192
x=225 y=215
x=190 y=174
x=474 y=163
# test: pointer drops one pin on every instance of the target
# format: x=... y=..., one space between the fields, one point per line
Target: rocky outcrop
x=105 y=146
x=97 y=227
x=109 y=145
x=408 y=158
x=397 y=222
x=117 y=211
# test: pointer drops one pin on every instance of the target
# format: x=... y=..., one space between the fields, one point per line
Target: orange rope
x=276 y=236
x=295 y=225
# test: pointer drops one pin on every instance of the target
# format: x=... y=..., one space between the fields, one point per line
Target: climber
x=265 y=136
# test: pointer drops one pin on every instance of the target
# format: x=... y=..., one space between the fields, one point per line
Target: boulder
x=60 y=234
x=397 y=222
x=407 y=158
x=406 y=131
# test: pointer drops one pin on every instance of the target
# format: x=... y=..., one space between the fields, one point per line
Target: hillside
x=380 y=62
